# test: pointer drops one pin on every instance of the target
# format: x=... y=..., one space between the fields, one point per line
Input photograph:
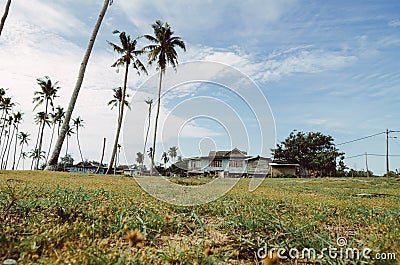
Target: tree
x=148 y=102
x=56 y=120
x=4 y=17
x=46 y=94
x=129 y=54
x=36 y=155
x=70 y=132
x=313 y=151
x=117 y=99
x=78 y=122
x=41 y=119
x=165 y=159
x=139 y=158
x=173 y=152
x=23 y=140
x=6 y=106
x=24 y=155
x=52 y=163
x=8 y=123
x=162 y=51
x=17 y=121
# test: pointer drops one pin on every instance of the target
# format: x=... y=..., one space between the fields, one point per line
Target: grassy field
x=62 y=218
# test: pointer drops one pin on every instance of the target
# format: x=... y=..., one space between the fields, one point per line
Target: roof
x=286 y=164
x=88 y=164
x=258 y=158
x=227 y=154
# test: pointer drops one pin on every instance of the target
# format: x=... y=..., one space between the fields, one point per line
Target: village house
x=235 y=163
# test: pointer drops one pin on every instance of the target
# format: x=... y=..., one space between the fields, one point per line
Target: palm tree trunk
x=120 y=117
x=2 y=126
x=4 y=151
x=15 y=149
x=51 y=141
x=3 y=19
x=156 y=123
x=79 y=145
x=9 y=148
x=52 y=163
x=41 y=136
x=102 y=156
x=147 y=135
x=20 y=154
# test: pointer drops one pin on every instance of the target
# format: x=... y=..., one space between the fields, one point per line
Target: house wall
x=278 y=171
x=258 y=167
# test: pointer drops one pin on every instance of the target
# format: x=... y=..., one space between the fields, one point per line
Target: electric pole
x=387 y=152
x=366 y=163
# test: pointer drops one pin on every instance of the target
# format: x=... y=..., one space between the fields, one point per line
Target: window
x=235 y=163
x=216 y=163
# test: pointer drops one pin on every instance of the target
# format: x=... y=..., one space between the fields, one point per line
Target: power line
x=353 y=156
x=362 y=138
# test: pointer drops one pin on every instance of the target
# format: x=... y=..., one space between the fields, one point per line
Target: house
x=258 y=166
x=221 y=163
x=280 y=169
x=87 y=167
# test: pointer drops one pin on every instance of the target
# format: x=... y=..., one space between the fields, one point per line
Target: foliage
x=313 y=151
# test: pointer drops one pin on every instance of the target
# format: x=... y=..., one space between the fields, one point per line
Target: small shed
x=279 y=169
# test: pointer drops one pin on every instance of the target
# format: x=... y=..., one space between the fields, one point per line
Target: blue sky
x=329 y=66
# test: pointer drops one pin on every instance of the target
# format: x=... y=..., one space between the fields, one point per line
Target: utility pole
x=366 y=163
x=387 y=152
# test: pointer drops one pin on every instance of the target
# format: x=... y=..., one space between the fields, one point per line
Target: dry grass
x=62 y=218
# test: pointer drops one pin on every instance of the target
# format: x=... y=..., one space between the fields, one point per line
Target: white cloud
x=394 y=23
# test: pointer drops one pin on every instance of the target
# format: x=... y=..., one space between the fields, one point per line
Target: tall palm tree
x=162 y=52
x=41 y=119
x=173 y=152
x=46 y=94
x=139 y=158
x=6 y=106
x=129 y=55
x=23 y=140
x=70 y=132
x=56 y=120
x=24 y=155
x=78 y=122
x=7 y=123
x=4 y=17
x=52 y=162
x=36 y=155
x=17 y=120
x=148 y=102
x=165 y=159
x=117 y=99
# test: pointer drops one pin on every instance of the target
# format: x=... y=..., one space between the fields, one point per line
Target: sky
x=328 y=66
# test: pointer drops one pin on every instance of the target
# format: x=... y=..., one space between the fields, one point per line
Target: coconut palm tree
x=173 y=152
x=117 y=99
x=6 y=106
x=148 y=102
x=41 y=119
x=36 y=155
x=8 y=124
x=24 y=155
x=52 y=162
x=129 y=56
x=70 y=132
x=139 y=158
x=162 y=52
x=56 y=120
x=17 y=121
x=46 y=94
x=4 y=17
x=23 y=140
x=78 y=122
x=165 y=159
x=150 y=153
